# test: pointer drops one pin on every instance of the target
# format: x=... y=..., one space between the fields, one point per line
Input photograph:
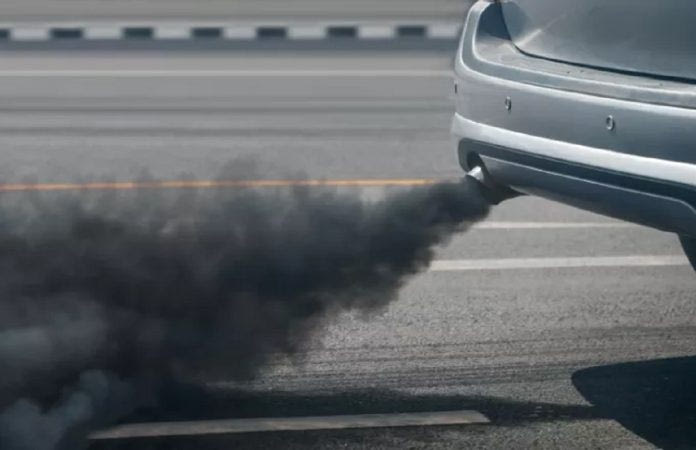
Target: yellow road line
x=207 y=184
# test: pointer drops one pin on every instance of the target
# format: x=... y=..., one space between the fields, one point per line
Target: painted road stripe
x=405 y=73
x=377 y=32
x=102 y=32
x=30 y=33
x=231 y=426
x=455 y=265
x=444 y=31
x=172 y=32
x=244 y=33
x=204 y=184
x=549 y=225
x=307 y=32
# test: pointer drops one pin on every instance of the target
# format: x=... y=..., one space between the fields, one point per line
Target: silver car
x=587 y=102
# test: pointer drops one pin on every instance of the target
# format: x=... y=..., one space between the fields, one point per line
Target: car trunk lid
x=654 y=37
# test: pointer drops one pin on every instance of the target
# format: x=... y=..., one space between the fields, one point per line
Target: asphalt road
x=221 y=10
x=587 y=357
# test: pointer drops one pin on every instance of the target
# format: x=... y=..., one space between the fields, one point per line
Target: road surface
x=599 y=355
x=239 y=10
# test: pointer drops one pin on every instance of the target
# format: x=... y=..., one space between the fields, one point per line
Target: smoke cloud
x=105 y=296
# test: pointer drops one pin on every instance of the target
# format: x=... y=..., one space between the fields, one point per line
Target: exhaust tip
x=493 y=192
x=478 y=174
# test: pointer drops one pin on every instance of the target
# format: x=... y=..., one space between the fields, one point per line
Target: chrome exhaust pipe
x=490 y=189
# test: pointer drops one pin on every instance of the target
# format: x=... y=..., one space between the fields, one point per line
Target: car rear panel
x=656 y=37
x=616 y=143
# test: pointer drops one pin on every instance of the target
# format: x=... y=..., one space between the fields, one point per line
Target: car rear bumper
x=617 y=144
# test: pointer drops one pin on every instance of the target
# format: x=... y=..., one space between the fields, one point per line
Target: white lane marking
x=103 y=32
x=377 y=32
x=444 y=30
x=172 y=32
x=307 y=32
x=30 y=33
x=229 y=426
x=248 y=32
x=225 y=73
x=454 y=265
x=549 y=225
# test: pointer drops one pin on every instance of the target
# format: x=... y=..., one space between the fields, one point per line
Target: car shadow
x=199 y=403
x=654 y=399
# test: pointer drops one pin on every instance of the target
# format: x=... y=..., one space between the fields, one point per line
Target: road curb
x=226 y=32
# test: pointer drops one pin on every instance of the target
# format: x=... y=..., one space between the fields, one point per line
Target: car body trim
x=640 y=166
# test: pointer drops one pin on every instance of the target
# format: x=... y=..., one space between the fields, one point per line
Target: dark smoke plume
x=104 y=296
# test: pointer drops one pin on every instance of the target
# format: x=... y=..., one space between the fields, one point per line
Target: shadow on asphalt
x=195 y=403
x=654 y=399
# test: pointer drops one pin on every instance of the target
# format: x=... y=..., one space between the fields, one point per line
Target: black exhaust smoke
x=105 y=296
